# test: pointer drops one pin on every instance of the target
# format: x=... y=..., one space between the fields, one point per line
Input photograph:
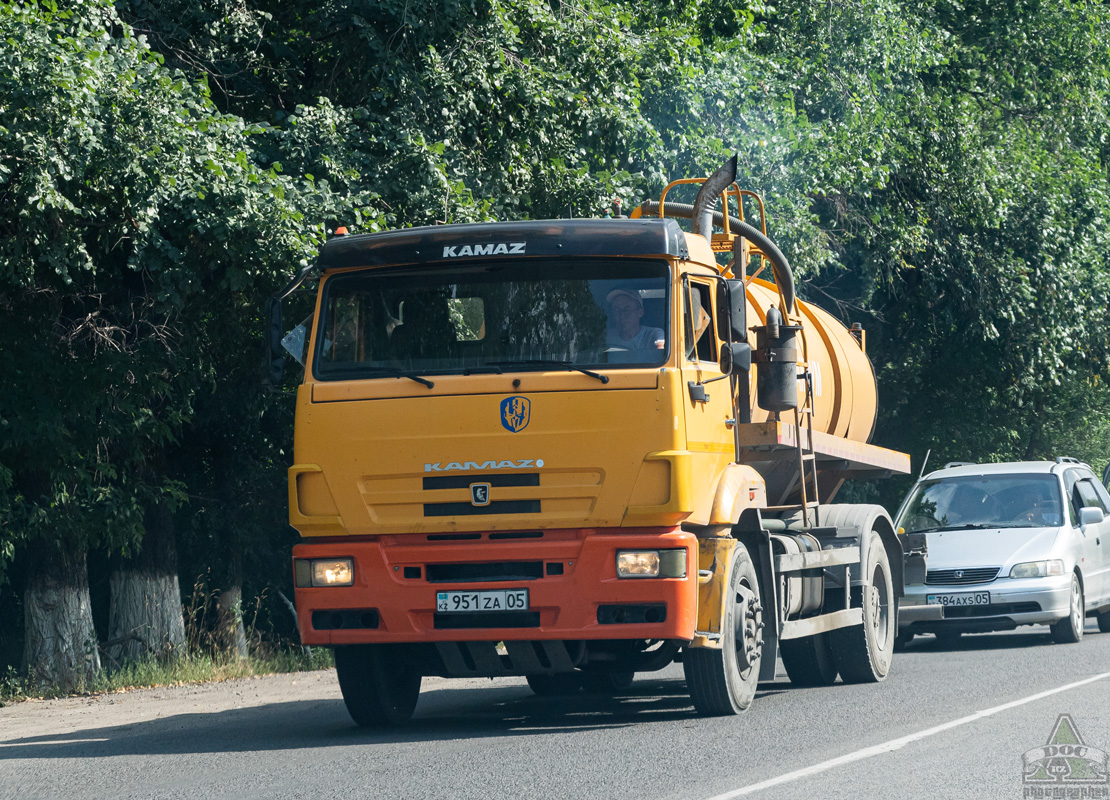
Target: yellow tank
x=845 y=396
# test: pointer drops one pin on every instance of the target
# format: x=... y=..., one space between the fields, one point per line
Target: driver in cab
x=625 y=333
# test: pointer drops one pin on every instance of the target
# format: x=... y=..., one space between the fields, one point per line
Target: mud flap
x=714 y=556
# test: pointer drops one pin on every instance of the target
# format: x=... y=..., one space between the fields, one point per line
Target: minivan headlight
x=1037 y=569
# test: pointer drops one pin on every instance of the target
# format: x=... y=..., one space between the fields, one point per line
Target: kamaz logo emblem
x=491 y=249
x=466 y=466
x=479 y=494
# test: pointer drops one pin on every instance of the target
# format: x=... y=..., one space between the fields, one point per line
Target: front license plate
x=962 y=599
x=486 y=600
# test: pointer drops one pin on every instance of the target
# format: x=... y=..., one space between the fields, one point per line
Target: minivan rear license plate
x=962 y=599
x=486 y=600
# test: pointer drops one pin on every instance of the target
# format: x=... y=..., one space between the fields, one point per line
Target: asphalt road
x=947 y=723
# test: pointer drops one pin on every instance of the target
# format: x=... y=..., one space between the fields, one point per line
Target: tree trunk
x=145 y=618
x=232 y=634
x=60 y=646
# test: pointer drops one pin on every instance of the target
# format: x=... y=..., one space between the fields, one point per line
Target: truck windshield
x=983 y=501
x=494 y=316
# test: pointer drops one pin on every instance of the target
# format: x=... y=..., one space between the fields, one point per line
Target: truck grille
x=946 y=577
x=485 y=572
x=420 y=502
x=469 y=510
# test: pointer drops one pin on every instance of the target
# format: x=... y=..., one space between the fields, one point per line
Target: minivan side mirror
x=1090 y=515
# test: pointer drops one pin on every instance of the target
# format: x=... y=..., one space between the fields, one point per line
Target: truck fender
x=859 y=520
x=739 y=487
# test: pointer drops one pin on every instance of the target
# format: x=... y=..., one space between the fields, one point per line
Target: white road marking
x=897 y=744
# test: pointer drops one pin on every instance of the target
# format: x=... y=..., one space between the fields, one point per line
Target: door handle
x=697 y=392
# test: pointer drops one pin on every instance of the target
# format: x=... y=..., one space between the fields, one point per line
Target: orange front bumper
x=574 y=592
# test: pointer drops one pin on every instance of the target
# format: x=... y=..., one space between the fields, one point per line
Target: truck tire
x=606 y=682
x=809 y=661
x=863 y=652
x=557 y=685
x=379 y=689
x=1069 y=630
x=723 y=682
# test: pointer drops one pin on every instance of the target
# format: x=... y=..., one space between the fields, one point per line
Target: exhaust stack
x=706 y=200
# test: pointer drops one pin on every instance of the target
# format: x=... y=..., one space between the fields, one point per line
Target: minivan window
x=1088 y=496
x=983 y=501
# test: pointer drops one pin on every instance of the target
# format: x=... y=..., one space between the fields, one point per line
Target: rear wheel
x=1069 y=630
x=378 y=688
x=723 y=682
x=809 y=661
x=863 y=652
x=557 y=685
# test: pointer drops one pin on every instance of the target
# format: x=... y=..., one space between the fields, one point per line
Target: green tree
x=137 y=216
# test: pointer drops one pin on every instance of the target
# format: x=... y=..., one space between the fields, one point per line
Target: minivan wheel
x=1069 y=630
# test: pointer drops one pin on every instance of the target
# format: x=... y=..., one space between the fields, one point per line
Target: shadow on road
x=442 y=714
x=1004 y=640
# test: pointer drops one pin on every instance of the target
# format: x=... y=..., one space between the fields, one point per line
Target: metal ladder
x=805 y=456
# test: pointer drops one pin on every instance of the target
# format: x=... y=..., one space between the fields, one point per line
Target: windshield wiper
x=541 y=362
x=969 y=526
x=398 y=373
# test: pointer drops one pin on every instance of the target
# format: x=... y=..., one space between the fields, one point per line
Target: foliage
x=936 y=170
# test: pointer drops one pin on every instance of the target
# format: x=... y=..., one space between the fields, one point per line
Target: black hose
x=784 y=276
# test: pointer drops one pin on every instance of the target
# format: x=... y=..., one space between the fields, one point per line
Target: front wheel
x=864 y=652
x=723 y=682
x=1069 y=630
x=379 y=689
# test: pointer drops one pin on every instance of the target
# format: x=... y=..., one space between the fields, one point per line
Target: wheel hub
x=873 y=600
x=750 y=646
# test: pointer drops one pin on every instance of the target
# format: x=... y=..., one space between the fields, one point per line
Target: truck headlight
x=1037 y=569
x=638 y=563
x=324 y=572
x=669 y=563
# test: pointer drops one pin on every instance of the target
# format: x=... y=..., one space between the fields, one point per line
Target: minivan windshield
x=495 y=316
x=982 y=501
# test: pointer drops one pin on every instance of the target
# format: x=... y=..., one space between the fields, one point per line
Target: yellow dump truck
x=576 y=450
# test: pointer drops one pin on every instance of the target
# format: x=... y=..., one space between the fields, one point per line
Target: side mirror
x=275 y=366
x=735 y=357
x=738 y=310
x=1090 y=515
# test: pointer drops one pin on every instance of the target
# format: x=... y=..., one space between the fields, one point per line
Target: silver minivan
x=1022 y=543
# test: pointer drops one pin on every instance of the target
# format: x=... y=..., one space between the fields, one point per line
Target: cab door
x=707 y=391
